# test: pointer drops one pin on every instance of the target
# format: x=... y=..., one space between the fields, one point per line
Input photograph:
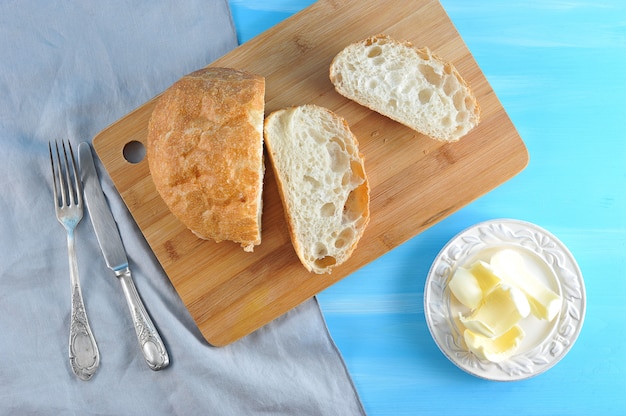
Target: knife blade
x=110 y=242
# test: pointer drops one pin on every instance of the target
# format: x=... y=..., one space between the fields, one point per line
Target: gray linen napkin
x=67 y=70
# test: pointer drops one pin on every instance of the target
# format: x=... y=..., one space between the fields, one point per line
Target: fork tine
x=75 y=189
x=54 y=176
x=61 y=169
x=68 y=177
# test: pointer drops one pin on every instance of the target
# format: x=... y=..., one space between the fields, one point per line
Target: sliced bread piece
x=409 y=85
x=205 y=153
x=322 y=182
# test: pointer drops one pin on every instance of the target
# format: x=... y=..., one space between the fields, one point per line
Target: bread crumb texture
x=205 y=152
x=322 y=182
x=409 y=85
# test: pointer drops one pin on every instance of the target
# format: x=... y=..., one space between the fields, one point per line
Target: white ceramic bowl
x=545 y=342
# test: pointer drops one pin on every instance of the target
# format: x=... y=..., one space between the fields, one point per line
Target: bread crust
x=205 y=153
x=420 y=55
x=354 y=211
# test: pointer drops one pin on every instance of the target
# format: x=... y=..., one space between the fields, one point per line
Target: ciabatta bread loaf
x=205 y=152
x=322 y=183
x=409 y=85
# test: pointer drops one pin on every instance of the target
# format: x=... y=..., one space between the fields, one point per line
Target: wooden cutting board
x=415 y=181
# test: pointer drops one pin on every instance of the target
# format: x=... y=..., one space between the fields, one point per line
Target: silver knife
x=110 y=242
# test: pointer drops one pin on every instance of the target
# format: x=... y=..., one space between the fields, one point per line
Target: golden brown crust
x=205 y=152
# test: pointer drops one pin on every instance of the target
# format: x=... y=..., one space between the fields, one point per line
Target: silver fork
x=68 y=204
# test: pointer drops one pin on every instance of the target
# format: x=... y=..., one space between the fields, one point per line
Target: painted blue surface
x=559 y=69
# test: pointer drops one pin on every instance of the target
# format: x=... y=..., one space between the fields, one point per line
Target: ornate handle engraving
x=84 y=354
x=83 y=351
x=152 y=346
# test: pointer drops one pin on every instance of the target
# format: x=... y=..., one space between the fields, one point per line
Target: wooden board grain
x=415 y=181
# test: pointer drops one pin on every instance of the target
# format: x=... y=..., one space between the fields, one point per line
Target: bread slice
x=322 y=182
x=411 y=86
x=205 y=153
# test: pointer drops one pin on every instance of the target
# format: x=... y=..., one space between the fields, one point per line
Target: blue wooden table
x=559 y=69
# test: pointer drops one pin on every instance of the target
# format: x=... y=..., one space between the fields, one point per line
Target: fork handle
x=150 y=341
x=83 y=350
x=84 y=354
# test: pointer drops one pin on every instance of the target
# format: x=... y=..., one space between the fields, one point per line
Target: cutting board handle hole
x=134 y=151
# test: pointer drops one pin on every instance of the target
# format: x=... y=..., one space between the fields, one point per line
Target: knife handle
x=150 y=342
